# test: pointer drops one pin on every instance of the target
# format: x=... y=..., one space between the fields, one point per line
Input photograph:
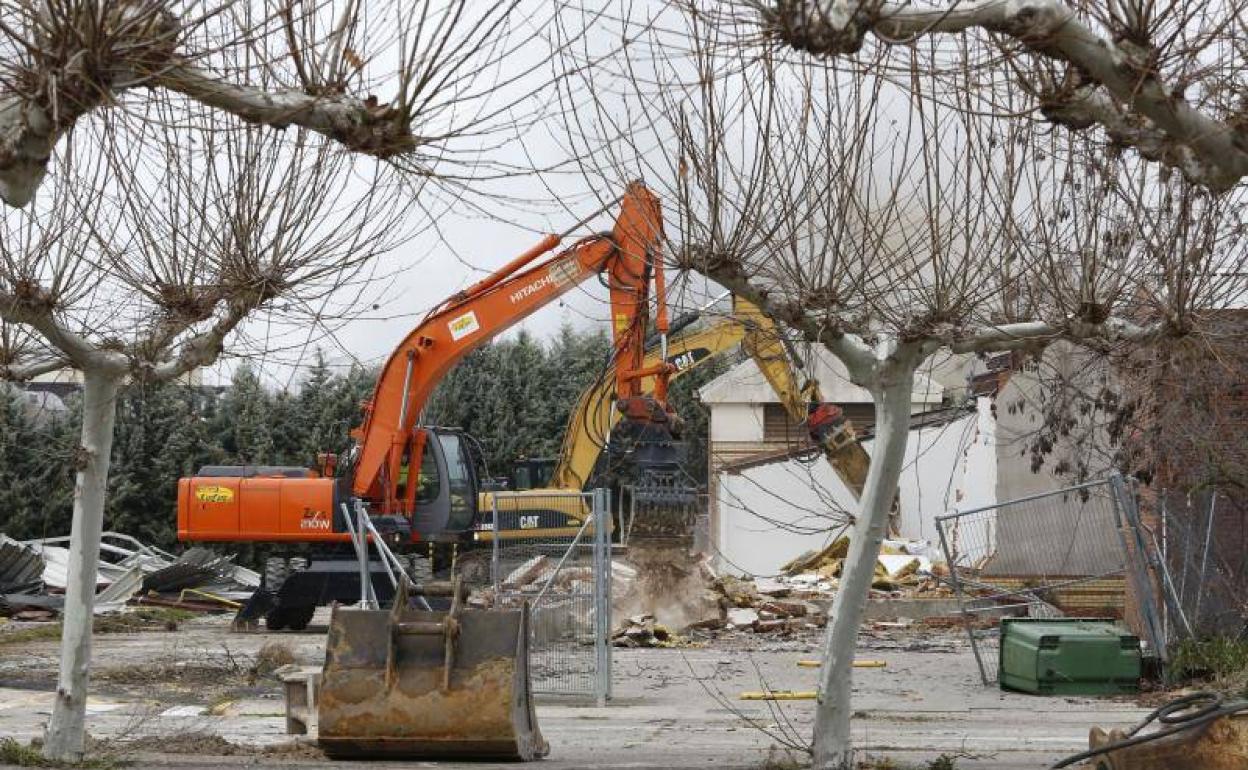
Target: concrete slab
x=672 y=707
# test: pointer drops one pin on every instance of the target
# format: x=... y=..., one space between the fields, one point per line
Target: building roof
x=745 y=384
x=921 y=421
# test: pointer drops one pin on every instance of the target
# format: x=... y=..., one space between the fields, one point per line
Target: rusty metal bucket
x=413 y=684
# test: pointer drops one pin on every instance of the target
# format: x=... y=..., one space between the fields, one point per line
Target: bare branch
x=850 y=348
x=362 y=125
x=25 y=372
x=206 y=347
x=1038 y=334
x=275 y=64
x=1215 y=151
x=78 y=350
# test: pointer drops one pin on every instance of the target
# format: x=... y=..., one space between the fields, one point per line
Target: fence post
x=951 y=563
x=602 y=595
x=495 y=579
x=1129 y=520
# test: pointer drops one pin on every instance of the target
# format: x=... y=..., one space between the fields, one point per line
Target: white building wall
x=737 y=422
x=771 y=513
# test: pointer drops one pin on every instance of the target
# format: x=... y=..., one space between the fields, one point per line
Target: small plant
x=13 y=753
x=943 y=762
x=1219 y=661
x=21 y=755
x=270 y=658
x=784 y=759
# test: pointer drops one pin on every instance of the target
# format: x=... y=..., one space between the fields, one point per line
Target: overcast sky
x=468 y=240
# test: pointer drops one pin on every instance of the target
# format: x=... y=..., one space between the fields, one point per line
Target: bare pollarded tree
x=144 y=265
x=892 y=223
x=423 y=84
x=1167 y=79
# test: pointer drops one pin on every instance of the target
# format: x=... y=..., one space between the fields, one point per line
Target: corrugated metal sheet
x=21 y=568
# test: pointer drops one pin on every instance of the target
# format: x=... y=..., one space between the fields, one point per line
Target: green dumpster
x=1068 y=656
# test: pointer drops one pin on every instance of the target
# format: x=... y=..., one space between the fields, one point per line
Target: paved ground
x=672 y=707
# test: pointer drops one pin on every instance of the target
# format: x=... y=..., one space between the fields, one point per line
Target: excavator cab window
x=430 y=482
x=462 y=481
x=534 y=473
x=523 y=479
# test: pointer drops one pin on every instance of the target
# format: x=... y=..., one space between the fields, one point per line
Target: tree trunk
x=65 y=735
x=833 y=748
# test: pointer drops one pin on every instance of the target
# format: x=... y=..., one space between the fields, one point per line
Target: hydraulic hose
x=1186 y=713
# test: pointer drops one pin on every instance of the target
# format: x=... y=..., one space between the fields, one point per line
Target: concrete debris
x=643 y=631
x=784 y=609
x=904 y=568
x=772 y=587
x=801 y=595
x=622 y=572
x=738 y=592
x=671 y=587
x=526 y=573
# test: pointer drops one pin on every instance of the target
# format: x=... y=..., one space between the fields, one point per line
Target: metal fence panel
x=565 y=578
x=1048 y=555
x=1198 y=543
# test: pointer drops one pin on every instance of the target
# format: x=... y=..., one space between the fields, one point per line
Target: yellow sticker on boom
x=214 y=494
x=463 y=326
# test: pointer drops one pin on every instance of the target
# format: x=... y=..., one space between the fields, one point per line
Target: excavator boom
x=627 y=255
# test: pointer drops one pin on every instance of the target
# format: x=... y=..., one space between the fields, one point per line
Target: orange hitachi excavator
x=419 y=482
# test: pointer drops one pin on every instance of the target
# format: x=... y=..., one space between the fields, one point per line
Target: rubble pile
x=34 y=574
x=798 y=598
x=768 y=605
x=531 y=578
x=905 y=568
x=643 y=631
x=679 y=591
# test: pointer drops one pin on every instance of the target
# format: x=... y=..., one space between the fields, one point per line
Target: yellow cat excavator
x=539 y=505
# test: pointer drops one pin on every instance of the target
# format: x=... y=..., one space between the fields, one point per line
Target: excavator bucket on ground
x=418 y=684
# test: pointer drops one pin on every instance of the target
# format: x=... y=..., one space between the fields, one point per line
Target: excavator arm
x=389 y=439
x=803 y=401
x=593 y=418
x=594 y=415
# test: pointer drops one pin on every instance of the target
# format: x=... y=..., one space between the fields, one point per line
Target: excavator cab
x=446 y=495
x=532 y=473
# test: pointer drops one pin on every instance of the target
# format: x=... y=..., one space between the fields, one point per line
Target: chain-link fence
x=1196 y=545
x=565 y=578
x=1049 y=555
